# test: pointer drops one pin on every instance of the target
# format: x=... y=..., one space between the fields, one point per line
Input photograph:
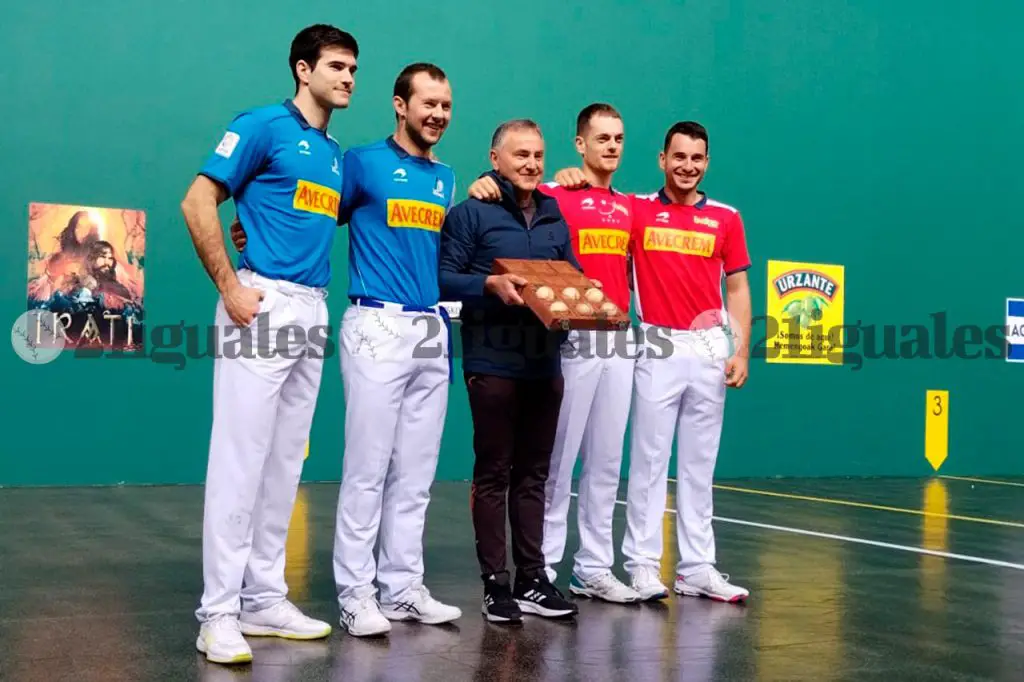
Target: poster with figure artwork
x=85 y=270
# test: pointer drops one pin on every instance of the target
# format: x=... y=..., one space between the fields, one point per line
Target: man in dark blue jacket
x=512 y=368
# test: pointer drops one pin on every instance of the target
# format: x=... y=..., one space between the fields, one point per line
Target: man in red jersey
x=597 y=366
x=683 y=244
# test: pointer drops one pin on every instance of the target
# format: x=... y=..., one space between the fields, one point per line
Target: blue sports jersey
x=394 y=204
x=285 y=178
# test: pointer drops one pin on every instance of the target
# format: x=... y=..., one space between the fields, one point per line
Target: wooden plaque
x=554 y=282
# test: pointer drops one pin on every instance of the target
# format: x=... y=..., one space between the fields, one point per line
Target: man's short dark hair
x=690 y=129
x=403 y=84
x=588 y=113
x=514 y=124
x=308 y=43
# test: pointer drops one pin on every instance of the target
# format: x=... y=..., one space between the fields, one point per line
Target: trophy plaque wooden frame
x=561 y=296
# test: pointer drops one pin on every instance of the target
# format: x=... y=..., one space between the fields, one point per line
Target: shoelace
x=290 y=611
x=607 y=582
x=422 y=593
x=548 y=589
x=226 y=624
x=646 y=575
x=717 y=579
x=364 y=604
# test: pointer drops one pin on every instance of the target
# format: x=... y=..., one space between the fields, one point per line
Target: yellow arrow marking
x=936 y=427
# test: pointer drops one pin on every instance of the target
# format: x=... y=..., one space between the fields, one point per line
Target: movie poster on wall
x=86 y=272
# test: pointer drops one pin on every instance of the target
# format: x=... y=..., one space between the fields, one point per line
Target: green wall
x=877 y=135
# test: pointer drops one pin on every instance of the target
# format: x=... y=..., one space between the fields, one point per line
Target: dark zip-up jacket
x=500 y=339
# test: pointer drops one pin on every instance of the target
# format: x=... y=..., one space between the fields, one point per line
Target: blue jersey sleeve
x=451 y=199
x=351 y=185
x=241 y=153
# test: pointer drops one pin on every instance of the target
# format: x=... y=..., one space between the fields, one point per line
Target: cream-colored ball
x=559 y=307
x=584 y=309
x=594 y=295
x=545 y=293
x=571 y=293
x=609 y=308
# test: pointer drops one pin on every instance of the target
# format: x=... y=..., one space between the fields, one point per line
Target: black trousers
x=514 y=424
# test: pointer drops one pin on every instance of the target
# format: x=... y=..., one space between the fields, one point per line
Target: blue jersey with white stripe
x=394 y=204
x=285 y=178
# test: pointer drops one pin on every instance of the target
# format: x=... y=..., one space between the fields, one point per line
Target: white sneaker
x=605 y=586
x=708 y=582
x=419 y=605
x=282 y=620
x=361 y=617
x=644 y=580
x=222 y=642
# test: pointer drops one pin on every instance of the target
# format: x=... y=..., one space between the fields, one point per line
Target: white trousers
x=598 y=372
x=395 y=370
x=266 y=379
x=678 y=394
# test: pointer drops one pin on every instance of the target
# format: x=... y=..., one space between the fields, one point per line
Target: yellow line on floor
x=868 y=505
x=991 y=481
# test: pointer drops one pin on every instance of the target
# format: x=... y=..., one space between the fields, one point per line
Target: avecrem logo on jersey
x=612 y=242
x=679 y=241
x=315 y=198
x=419 y=215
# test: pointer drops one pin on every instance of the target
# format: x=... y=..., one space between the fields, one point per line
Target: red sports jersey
x=680 y=254
x=599 y=221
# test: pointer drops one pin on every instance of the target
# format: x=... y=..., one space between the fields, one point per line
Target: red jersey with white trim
x=600 y=222
x=680 y=256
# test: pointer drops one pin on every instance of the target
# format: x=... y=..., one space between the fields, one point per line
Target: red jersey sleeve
x=550 y=188
x=734 y=252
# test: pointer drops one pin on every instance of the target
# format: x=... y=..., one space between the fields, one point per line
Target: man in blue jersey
x=283 y=171
x=394 y=359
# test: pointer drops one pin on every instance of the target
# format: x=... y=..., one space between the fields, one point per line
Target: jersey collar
x=402 y=154
x=397 y=148
x=610 y=189
x=294 y=111
x=701 y=203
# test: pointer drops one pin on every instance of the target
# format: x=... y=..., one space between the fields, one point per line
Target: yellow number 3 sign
x=936 y=427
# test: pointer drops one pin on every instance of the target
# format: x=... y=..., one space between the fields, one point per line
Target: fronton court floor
x=895 y=580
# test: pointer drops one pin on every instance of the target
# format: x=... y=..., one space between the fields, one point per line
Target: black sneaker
x=538 y=596
x=499 y=606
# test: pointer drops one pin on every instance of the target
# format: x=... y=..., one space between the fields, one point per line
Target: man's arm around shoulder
x=351 y=185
